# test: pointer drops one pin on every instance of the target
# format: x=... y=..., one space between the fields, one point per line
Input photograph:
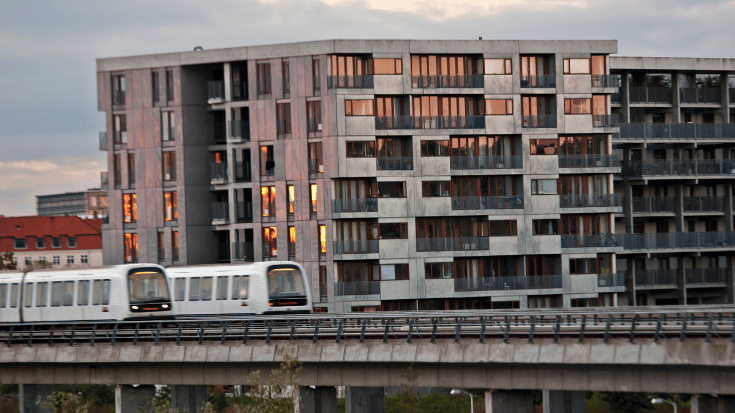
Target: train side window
x=57 y=292
x=83 y=293
x=194 y=286
x=14 y=292
x=105 y=292
x=96 y=292
x=3 y=295
x=180 y=287
x=244 y=286
x=222 y=287
x=68 y=293
x=42 y=294
x=206 y=288
x=236 y=287
x=28 y=295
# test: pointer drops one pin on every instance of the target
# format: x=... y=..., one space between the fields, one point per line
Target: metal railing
x=653 y=204
x=656 y=278
x=368 y=246
x=103 y=141
x=590 y=200
x=239 y=91
x=355 y=205
x=704 y=204
x=452 y=244
x=402 y=163
x=356 y=288
x=486 y=162
x=356 y=82
x=220 y=211
x=677 y=240
x=218 y=171
x=649 y=95
x=216 y=89
x=239 y=130
x=606 y=81
x=487 y=202
x=669 y=131
x=429 y=122
x=700 y=96
x=591 y=241
x=243 y=251
x=674 y=167
x=242 y=171
x=606 y=121
x=539 y=121
x=440 y=82
x=705 y=276
x=244 y=211
x=590 y=161
x=538 y=81
x=611 y=280
x=530 y=282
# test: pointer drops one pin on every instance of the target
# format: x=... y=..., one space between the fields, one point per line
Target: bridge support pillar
x=707 y=404
x=188 y=397
x=318 y=399
x=129 y=399
x=559 y=401
x=364 y=399
x=508 y=401
x=29 y=393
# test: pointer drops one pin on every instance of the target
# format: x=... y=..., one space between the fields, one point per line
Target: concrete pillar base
x=707 y=404
x=29 y=394
x=129 y=399
x=558 y=401
x=188 y=398
x=318 y=400
x=508 y=402
x=364 y=399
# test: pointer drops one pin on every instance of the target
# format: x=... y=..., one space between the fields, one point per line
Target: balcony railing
x=218 y=171
x=243 y=251
x=673 y=167
x=590 y=201
x=656 y=278
x=220 y=212
x=590 y=161
x=244 y=211
x=104 y=180
x=429 y=122
x=650 y=95
x=606 y=81
x=357 y=288
x=531 y=282
x=669 y=131
x=611 y=280
x=606 y=121
x=216 y=90
x=242 y=171
x=700 y=96
x=704 y=203
x=402 y=163
x=452 y=244
x=239 y=130
x=705 y=276
x=539 y=81
x=350 y=82
x=355 y=205
x=370 y=246
x=487 y=202
x=440 y=82
x=648 y=205
x=678 y=240
x=239 y=91
x=486 y=162
x=591 y=241
x=103 y=141
x=539 y=121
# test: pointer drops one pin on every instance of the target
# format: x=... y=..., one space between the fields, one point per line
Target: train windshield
x=147 y=286
x=285 y=281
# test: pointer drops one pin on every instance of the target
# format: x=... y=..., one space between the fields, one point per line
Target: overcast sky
x=49 y=122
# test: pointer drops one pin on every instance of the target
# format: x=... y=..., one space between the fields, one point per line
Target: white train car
x=123 y=292
x=269 y=287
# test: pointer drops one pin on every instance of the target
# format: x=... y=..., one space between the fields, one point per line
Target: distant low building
x=62 y=241
x=89 y=203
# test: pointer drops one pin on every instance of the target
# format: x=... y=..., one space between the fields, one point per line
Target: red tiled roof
x=38 y=226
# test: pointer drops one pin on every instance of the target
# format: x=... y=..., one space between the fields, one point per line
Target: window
x=29 y=261
x=270 y=242
x=71 y=242
x=168 y=126
x=577 y=106
x=268 y=201
x=3 y=295
x=55 y=242
x=70 y=259
x=117 y=166
x=222 y=284
x=40 y=243
x=83 y=292
x=57 y=293
x=435 y=189
x=395 y=230
x=207 y=288
x=97 y=292
x=499 y=106
x=155 y=86
x=28 y=295
x=540 y=302
x=314 y=115
x=313 y=198
x=387 y=66
x=174 y=246
x=170 y=85
x=131 y=247
x=544 y=146
x=545 y=227
x=14 y=292
x=240 y=284
x=161 y=242
x=170 y=206
x=286 y=78
x=390 y=272
x=283 y=118
x=267 y=162
x=434 y=148
x=359 y=107
x=540 y=265
x=544 y=187
x=316 y=159
x=291 y=198
x=264 y=79
x=131 y=169
x=316 y=78
x=291 y=241
x=576 y=66
x=322 y=239
x=84 y=259
x=130 y=208
x=119 y=129
x=498 y=67
x=42 y=293
x=504 y=228
x=118 y=89
x=437 y=270
x=392 y=189
x=68 y=299
x=180 y=289
x=169 y=166
x=583 y=266
x=20 y=243
x=360 y=149
x=195 y=284
x=57 y=260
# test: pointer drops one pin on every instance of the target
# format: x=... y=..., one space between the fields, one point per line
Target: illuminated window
x=130 y=208
x=268 y=200
x=313 y=197
x=270 y=244
x=131 y=248
x=576 y=66
x=387 y=66
x=577 y=106
x=267 y=162
x=359 y=107
x=499 y=106
x=170 y=210
x=498 y=67
x=291 y=199
x=291 y=241
x=322 y=239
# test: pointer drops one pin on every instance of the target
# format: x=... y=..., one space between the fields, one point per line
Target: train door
x=199 y=300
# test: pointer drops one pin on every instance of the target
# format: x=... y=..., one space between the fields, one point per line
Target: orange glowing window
x=322 y=239
x=219 y=157
x=359 y=107
x=291 y=198
x=130 y=208
x=170 y=210
x=313 y=193
x=292 y=234
x=268 y=200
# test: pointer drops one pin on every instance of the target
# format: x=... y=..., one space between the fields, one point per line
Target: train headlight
x=164 y=306
x=134 y=307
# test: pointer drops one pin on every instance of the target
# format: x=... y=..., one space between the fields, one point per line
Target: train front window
x=147 y=287
x=285 y=281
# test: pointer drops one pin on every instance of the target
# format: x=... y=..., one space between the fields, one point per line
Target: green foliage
x=8 y=389
x=97 y=395
x=627 y=402
x=63 y=402
x=433 y=403
x=708 y=82
x=658 y=81
x=6 y=261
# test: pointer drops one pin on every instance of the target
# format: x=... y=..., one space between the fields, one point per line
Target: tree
x=63 y=402
x=708 y=82
x=627 y=402
x=6 y=261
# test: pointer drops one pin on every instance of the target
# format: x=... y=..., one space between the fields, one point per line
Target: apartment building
x=89 y=203
x=402 y=174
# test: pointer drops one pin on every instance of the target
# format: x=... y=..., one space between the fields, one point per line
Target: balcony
x=591 y=241
x=242 y=171
x=354 y=205
x=543 y=81
x=220 y=213
x=403 y=163
x=486 y=162
x=605 y=81
x=656 y=278
x=678 y=240
x=243 y=251
x=606 y=121
x=350 y=82
x=704 y=204
x=611 y=280
x=370 y=246
x=589 y=161
x=452 y=244
x=356 y=288
x=239 y=130
x=531 y=282
x=590 y=201
x=429 y=122
x=244 y=211
x=705 y=276
x=218 y=172
x=698 y=96
x=650 y=95
x=672 y=131
x=103 y=141
x=215 y=91
x=539 y=121
x=443 y=82
x=104 y=180
x=654 y=205
x=673 y=167
x=487 y=202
